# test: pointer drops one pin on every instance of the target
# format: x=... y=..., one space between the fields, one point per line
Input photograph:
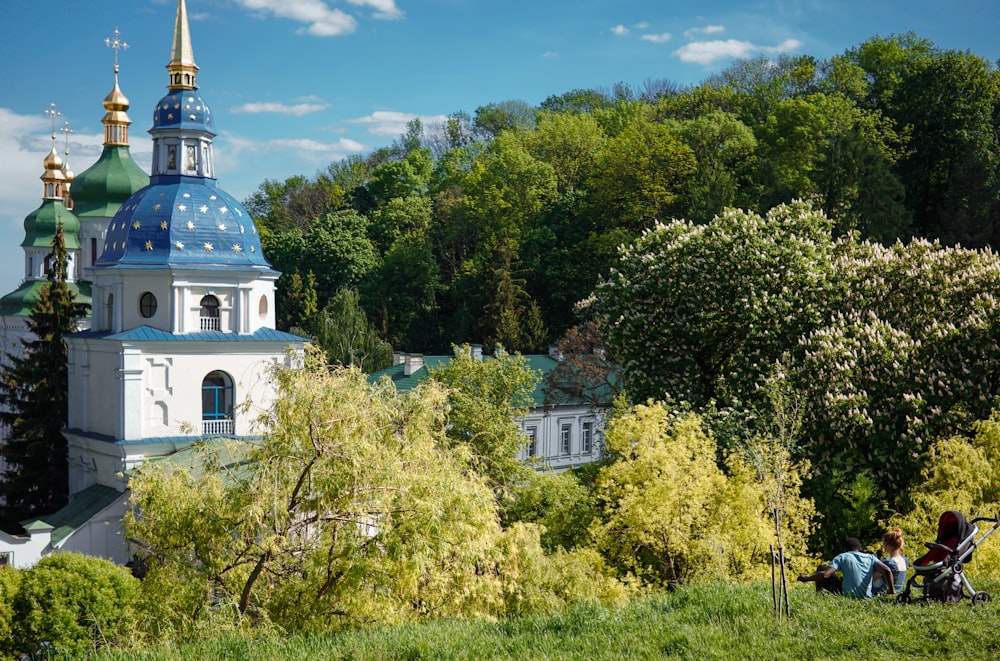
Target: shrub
x=74 y=603
x=10 y=581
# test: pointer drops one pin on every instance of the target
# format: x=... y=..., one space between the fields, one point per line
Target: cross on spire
x=67 y=131
x=117 y=43
x=52 y=112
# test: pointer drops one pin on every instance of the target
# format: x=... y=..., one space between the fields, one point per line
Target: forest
x=783 y=279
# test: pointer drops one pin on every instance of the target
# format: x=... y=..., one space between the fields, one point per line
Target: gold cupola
x=182 y=68
x=116 y=120
x=53 y=179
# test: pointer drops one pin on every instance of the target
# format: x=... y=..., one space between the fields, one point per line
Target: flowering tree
x=700 y=312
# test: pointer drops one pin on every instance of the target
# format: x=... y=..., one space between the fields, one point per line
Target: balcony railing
x=210 y=323
x=216 y=427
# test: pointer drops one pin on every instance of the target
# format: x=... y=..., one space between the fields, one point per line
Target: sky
x=297 y=84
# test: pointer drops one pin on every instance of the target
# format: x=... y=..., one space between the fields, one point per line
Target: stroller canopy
x=952 y=530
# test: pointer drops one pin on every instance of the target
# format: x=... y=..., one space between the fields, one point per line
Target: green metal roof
x=100 y=190
x=40 y=226
x=19 y=302
x=84 y=505
x=538 y=362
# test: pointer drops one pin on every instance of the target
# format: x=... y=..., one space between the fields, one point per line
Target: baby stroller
x=939 y=574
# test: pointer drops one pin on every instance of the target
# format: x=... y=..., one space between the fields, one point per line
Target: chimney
x=398 y=358
x=414 y=361
x=477 y=351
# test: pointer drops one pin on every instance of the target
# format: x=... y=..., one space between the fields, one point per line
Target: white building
x=182 y=338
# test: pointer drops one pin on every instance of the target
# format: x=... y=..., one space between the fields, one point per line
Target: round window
x=147 y=305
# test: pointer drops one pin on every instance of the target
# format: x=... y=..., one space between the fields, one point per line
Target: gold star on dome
x=203 y=208
x=178 y=245
x=166 y=106
x=186 y=195
x=237 y=248
x=208 y=247
x=252 y=249
x=192 y=117
x=149 y=245
x=164 y=225
x=213 y=198
x=190 y=225
x=161 y=194
x=182 y=207
x=243 y=230
x=136 y=225
x=222 y=227
x=170 y=115
x=190 y=99
x=176 y=106
x=223 y=209
x=156 y=207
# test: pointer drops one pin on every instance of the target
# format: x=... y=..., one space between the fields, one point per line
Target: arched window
x=209 y=313
x=217 y=404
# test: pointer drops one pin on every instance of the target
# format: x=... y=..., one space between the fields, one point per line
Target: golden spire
x=116 y=120
x=53 y=177
x=182 y=68
x=68 y=175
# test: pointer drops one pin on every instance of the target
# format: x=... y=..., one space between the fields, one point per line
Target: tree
x=485 y=398
x=701 y=312
x=342 y=330
x=352 y=509
x=34 y=395
x=671 y=513
x=587 y=370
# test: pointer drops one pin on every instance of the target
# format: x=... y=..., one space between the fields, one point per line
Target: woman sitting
x=892 y=552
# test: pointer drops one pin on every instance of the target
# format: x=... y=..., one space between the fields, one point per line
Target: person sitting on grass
x=857 y=567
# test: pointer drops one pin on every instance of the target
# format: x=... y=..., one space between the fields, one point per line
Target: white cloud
x=385 y=9
x=619 y=30
x=641 y=26
x=708 y=52
x=550 y=53
x=392 y=123
x=323 y=21
x=296 y=110
x=708 y=29
x=661 y=38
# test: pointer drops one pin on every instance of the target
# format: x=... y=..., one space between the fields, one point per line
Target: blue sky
x=296 y=84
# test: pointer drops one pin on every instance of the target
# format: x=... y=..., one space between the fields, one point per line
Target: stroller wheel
x=981 y=598
x=904 y=597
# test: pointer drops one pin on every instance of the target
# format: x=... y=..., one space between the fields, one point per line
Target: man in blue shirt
x=857 y=568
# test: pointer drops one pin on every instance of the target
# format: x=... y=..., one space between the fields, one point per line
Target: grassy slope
x=705 y=622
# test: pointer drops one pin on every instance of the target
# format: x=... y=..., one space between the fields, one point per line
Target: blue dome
x=183 y=109
x=185 y=222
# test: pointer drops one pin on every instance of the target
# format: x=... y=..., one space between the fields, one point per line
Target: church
x=181 y=338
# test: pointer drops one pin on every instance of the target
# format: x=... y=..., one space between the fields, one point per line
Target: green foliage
x=10 y=583
x=34 y=400
x=484 y=399
x=75 y=604
x=963 y=474
x=351 y=510
x=671 y=514
x=342 y=330
x=534 y=581
x=557 y=502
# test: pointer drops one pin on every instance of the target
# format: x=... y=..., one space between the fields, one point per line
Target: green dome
x=19 y=303
x=101 y=189
x=40 y=226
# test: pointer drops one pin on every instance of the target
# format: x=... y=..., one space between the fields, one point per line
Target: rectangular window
x=566 y=438
x=532 y=433
x=587 y=438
